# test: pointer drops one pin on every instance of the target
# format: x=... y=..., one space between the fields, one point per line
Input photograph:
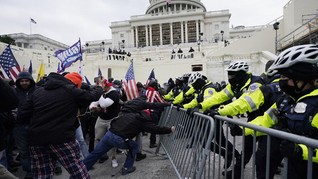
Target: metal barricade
x=193 y=156
x=187 y=148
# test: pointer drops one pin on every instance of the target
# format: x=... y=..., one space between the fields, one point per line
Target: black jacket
x=52 y=110
x=132 y=119
x=9 y=101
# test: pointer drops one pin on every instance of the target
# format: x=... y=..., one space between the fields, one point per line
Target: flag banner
x=59 y=68
x=9 y=65
x=23 y=68
x=70 y=55
x=30 y=68
x=129 y=84
x=33 y=21
x=41 y=73
x=87 y=81
x=99 y=73
x=151 y=76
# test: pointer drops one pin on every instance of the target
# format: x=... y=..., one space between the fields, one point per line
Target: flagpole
x=30 y=26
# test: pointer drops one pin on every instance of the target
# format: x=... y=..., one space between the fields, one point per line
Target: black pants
x=275 y=157
x=155 y=116
x=221 y=141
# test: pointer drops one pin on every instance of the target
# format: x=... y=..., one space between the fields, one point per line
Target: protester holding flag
x=52 y=115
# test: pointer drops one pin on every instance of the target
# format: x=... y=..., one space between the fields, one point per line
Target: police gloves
x=290 y=149
x=235 y=130
x=192 y=111
x=212 y=112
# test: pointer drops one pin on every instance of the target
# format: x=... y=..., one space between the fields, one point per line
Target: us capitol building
x=178 y=38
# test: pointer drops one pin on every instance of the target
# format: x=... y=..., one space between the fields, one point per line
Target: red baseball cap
x=107 y=83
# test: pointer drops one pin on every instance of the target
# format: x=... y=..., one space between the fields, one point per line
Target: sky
x=68 y=20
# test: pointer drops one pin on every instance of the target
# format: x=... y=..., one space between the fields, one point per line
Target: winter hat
x=75 y=78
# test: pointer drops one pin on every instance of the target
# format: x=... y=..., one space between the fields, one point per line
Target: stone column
x=186 y=31
x=171 y=33
x=197 y=29
x=150 y=34
x=182 y=36
x=160 y=29
x=147 y=42
x=137 y=41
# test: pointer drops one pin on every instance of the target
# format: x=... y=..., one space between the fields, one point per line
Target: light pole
x=222 y=33
x=276 y=27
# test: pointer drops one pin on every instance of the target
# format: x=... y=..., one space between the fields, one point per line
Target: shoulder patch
x=253 y=87
x=210 y=91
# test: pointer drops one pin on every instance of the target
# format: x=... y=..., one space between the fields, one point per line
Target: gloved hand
x=178 y=106
x=192 y=111
x=290 y=149
x=235 y=130
x=213 y=112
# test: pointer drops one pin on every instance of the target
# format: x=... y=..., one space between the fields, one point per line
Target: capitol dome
x=176 y=5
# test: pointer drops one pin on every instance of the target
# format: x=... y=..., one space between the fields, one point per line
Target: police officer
x=296 y=112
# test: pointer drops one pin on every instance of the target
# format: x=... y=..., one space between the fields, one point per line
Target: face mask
x=238 y=80
x=198 y=84
x=290 y=90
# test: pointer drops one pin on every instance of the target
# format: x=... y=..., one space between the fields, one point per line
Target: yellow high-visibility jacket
x=298 y=114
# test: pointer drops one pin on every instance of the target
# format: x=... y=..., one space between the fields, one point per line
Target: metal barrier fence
x=193 y=157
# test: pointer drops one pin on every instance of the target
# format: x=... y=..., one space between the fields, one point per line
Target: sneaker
x=153 y=145
x=103 y=159
x=140 y=156
x=114 y=163
x=58 y=170
x=125 y=171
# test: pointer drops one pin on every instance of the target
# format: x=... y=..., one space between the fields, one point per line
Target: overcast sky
x=68 y=20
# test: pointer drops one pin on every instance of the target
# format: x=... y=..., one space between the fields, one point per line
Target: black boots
x=140 y=156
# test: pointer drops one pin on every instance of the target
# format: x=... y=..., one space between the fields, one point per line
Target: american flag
x=151 y=76
x=9 y=65
x=130 y=85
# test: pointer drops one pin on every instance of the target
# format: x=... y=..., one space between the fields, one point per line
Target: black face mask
x=290 y=90
x=198 y=84
x=238 y=81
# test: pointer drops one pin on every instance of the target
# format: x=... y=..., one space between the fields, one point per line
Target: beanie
x=75 y=78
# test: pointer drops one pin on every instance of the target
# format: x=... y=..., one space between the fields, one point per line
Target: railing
x=299 y=33
x=193 y=156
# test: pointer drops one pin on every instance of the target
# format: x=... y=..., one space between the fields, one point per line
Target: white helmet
x=238 y=66
x=194 y=77
x=291 y=56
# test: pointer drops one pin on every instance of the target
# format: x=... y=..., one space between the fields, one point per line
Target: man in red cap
x=106 y=108
x=52 y=115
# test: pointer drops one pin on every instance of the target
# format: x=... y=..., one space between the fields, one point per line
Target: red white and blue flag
x=70 y=55
x=129 y=84
x=10 y=68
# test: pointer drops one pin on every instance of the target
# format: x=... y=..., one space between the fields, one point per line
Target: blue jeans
x=20 y=134
x=109 y=141
x=80 y=138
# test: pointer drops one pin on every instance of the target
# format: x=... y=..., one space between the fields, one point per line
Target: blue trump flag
x=70 y=55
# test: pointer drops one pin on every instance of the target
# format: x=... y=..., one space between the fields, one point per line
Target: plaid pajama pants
x=44 y=158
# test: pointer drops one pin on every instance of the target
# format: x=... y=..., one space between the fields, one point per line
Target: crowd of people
x=62 y=121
